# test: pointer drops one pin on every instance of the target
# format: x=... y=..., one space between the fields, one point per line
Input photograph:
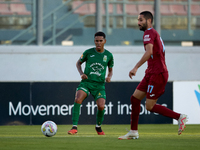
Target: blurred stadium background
x=41 y=40
x=70 y=22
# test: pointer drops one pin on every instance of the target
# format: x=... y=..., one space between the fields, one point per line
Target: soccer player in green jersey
x=97 y=60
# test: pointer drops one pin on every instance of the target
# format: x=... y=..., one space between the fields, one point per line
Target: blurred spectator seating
x=165 y=10
x=90 y=8
x=19 y=9
x=195 y=10
x=178 y=10
x=132 y=9
x=82 y=10
x=119 y=9
x=13 y=8
x=144 y=7
x=4 y=9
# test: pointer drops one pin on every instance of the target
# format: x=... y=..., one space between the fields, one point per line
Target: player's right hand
x=84 y=76
x=132 y=72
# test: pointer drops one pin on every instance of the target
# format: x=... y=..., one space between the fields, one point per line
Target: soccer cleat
x=181 y=123
x=129 y=135
x=99 y=131
x=73 y=131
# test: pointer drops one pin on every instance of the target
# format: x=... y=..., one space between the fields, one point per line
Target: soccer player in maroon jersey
x=156 y=75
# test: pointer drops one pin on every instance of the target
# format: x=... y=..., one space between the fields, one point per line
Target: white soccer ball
x=49 y=128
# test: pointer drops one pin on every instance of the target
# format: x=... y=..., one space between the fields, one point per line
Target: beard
x=144 y=27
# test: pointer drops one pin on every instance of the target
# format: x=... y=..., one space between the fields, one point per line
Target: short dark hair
x=100 y=34
x=147 y=15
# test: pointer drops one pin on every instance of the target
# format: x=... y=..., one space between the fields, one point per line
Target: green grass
x=152 y=137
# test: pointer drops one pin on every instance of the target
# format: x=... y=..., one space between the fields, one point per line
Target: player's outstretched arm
x=109 y=76
x=79 y=68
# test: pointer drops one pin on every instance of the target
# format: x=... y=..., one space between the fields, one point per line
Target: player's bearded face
x=142 y=23
x=99 y=42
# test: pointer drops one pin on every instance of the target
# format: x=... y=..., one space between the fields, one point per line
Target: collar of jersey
x=99 y=52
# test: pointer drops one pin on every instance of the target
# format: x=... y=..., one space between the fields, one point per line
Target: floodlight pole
x=39 y=22
x=157 y=15
x=98 y=15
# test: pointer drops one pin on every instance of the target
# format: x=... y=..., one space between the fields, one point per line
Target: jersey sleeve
x=148 y=37
x=111 y=62
x=83 y=57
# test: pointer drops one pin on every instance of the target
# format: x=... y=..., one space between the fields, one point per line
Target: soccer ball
x=49 y=128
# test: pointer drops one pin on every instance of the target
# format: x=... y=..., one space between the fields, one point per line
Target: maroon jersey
x=156 y=63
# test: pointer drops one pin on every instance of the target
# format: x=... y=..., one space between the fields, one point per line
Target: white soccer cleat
x=181 y=123
x=129 y=135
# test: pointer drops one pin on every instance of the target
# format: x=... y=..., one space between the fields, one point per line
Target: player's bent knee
x=101 y=103
x=101 y=107
x=150 y=104
x=148 y=107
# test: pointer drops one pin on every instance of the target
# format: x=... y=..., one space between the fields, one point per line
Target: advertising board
x=34 y=103
x=187 y=100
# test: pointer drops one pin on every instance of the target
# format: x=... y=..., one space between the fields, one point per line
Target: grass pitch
x=152 y=137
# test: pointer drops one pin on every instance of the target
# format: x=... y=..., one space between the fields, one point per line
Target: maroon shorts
x=153 y=85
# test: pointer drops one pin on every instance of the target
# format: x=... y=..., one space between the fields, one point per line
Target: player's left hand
x=108 y=79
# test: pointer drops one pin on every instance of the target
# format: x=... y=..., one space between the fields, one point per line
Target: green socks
x=100 y=117
x=75 y=114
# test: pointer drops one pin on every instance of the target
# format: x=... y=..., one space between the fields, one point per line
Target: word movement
x=91 y=107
